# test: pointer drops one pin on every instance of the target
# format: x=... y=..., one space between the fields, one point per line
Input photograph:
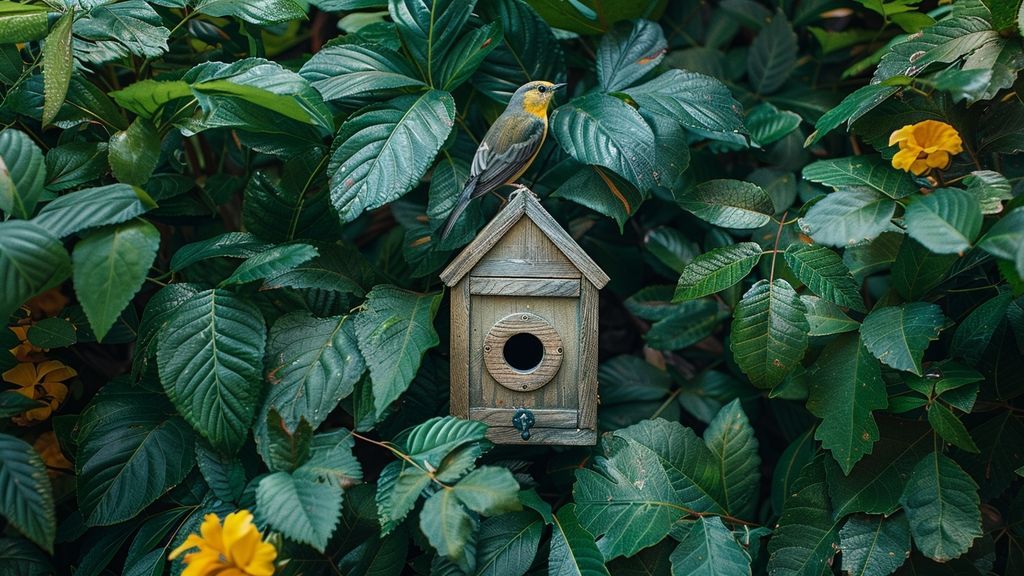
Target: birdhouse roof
x=523 y=203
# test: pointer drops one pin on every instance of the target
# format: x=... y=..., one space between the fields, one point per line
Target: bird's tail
x=464 y=198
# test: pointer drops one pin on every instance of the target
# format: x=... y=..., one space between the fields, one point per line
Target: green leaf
x=806 y=537
x=729 y=204
x=990 y=188
x=628 y=52
x=31 y=261
x=489 y=490
x=975 y=332
x=824 y=272
x=271 y=263
x=394 y=330
x=383 y=151
x=573 y=550
x=849 y=216
x=717 y=270
x=602 y=191
x=302 y=510
x=428 y=29
x=398 y=488
x=119 y=31
x=110 y=266
x=225 y=475
x=339 y=268
x=692 y=322
x=284 y=448
x=359 y=69
x=134 y=152
x=710 y=549
x=13 y=403
x=209 y=354
x=433 y=440
x=530 y=51
x=942 y=505
x=853 y=106
x=899 y=335
x=22 y=173
x=601 y=130
x=1005 y=239
x=874 y=545
x=159 y=309
x=769 y=332
x=147 y=97
x=74 y=164
x=999 y=438
x=767 y=124
x=331 y=461
x=772 y=55
x=57 y=66
x=627 y=500
x=132 y=449
x=261 y=12
x=950 y=428
x=507 y=544
x=917 y=270
x=448 y=527
x=699 y=102
x=230 y=244
x=27 y=497
x=22 y=22
x=946 y=41
x=468 y=54
x=92 y=207
x=846 y=386
x=24 y=558
x=861 y=171
x=825 y=318
x=594 y=16
x=733 y=446
x=946 y=221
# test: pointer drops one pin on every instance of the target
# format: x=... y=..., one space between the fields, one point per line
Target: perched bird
x=509 y=146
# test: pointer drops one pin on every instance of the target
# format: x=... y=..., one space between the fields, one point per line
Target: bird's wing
x=509 y=146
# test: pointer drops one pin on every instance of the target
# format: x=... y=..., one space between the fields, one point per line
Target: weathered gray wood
x=510 y=377
x=542 y=418
x=507 y=286
x=485 y=240
x=588 y=331
x=459 y=371
x=565 y=243
x=506 y=267
x=560 y=436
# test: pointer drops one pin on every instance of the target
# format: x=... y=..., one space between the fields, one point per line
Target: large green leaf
x=699 y=102
x=806 y=537
x=845 y=387
x=733 y=447
x=507 y=544
x=26 y=497
x=769 y=332
x=468 y=54
x=950 y=428
x=573 y=551
x=31 y=261
x=605 y=131
x=946 y=221
x=709 y=549
x=134 y=152
x=627 y=500
x=381 y=152
x=603 y=191
x=824 y=272
x=433 y=440
x=628 y=52
x=853 y=106
x=849 y=216
x=229 y=244
x=530 y=51
x=729 y=203
x=271 y=263
x=331 y=460
x=595 y=16
x=398 y=489
x=899 y=335
x=716 y=270
x=210 y=354
x=359 y=69
x=772 y=55
x=91 y=207
x=489 y=490
x=110 y=266
x=132 y=448
x=22 y=22
x=825 y=318
x=448 y=528
x=861 y=171
x=302 y=510
x=767 y=124
x=917 y=270
x=338 y=268
x=22 y=173
x=57 y=66
x=147 y=97
x=428 y=29
x=394 y=330
x=874 y=545
x=74 y=164
x=256 y=11
x=942 y=505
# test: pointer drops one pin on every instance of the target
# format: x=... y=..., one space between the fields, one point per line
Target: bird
x=509 y=147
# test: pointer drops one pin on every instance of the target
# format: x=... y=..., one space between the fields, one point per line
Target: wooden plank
x=504 y=267
x=500 y=417
x=587 y=378
x=554 y=231
x=543 y=436
x=506 y=286
x=492 y=233
x=459 y=372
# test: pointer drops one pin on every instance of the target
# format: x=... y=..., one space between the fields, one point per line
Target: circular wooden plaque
x=496 y=357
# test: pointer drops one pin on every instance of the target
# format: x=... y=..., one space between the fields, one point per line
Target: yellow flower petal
x=234 y=548
x=905 y=158
x=192 y=541
x=23 y=374
x=55 y=371
x=919 y=167
x=939 y=159
x=901 y=135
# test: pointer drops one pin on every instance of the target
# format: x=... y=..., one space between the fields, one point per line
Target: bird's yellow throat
x=536 y=104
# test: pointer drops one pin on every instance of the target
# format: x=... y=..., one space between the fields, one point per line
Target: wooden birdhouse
x=524 y=329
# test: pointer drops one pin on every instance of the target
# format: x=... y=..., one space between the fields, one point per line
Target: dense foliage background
x=218 y=264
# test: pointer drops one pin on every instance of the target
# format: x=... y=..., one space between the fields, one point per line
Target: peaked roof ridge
x=523 y=202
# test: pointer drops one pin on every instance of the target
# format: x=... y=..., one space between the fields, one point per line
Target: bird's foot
x=517 y=188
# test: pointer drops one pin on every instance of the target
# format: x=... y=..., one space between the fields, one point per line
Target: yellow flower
x=49 y=450
x=924 y=146
x=43 y=382
x=25 y=351
x=237 y=549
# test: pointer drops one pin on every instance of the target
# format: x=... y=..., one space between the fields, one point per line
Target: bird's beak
x=558 y=86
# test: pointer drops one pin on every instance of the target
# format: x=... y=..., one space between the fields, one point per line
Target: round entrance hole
x=523 y=351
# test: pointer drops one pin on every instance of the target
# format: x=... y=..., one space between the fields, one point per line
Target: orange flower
x=43 y=382
x=237 y=549
x=924 y=146
x=25 y=351
x=49 y=450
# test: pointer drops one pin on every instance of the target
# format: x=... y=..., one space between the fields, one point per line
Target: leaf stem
x=775 y=251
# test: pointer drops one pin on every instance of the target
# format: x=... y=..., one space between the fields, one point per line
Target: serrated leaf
x=57 y=66
x=573 y=551
x=433 y=440
x=848 y=217
x=271 y=263
x=717 y=270
x=209 y=355
x=284 y=448
x=119 y=31
x=359 y=69
x=899 y=335
x=861 y=171
x=302 y=510
x=383 y=151
x=950 y=428
x=110 y=266
x=729 y=204
x=806 y=537
x=225 y=475
x=159 y=309
x=507 y=544
x=31 y=261
x=769 y=332
x=489 y=490
x=91 y=207
x=331 y=460
x=448 y=528
x=701 y=103
x=27 y=497
x=74 y=164
x=22 y=173
x=824 y=272
x=946 y=221
x=627 y=52
x=733 y=446
x=22 y=22
x=468 y=54
x=942 y=505
x=134 y=152
x=767 y=124
x=772 y=55
x=394 y=330
x=917 y=270
x=845 y=387
x=692 y=322
x=874 y=545
x=530 y=51
x=709 y=549
x=230 y=244
x=259 y=12
x=428 y=29
x=825 y=318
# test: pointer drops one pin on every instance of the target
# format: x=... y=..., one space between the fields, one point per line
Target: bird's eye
x=542 y=89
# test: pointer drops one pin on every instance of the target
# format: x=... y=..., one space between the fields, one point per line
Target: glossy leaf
x=699 y=102
x=573 y=551
x=628 y=52
x=489 y=490
x=946 y=221
x=448 y=527
x=729 y=204
x=257 y=12
x=807 y=536
x=769 y=332
x=57 y=66
x=709 y=549
x=92 y=207
x=825 y=318
x=899 y=335
x=302 y=510
x=824 y=272
x=359 y=69
x=716 y=270
x=861 y=171
x=848 y=217
x=772 y=55
x=271 y=263
x=733 y=446
x=31 y=261
x=941 y=502
x=874 y=545
x=428 y=29
x=134 y=152
x=27 y=497
x=530 y=51
x=22 y=173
